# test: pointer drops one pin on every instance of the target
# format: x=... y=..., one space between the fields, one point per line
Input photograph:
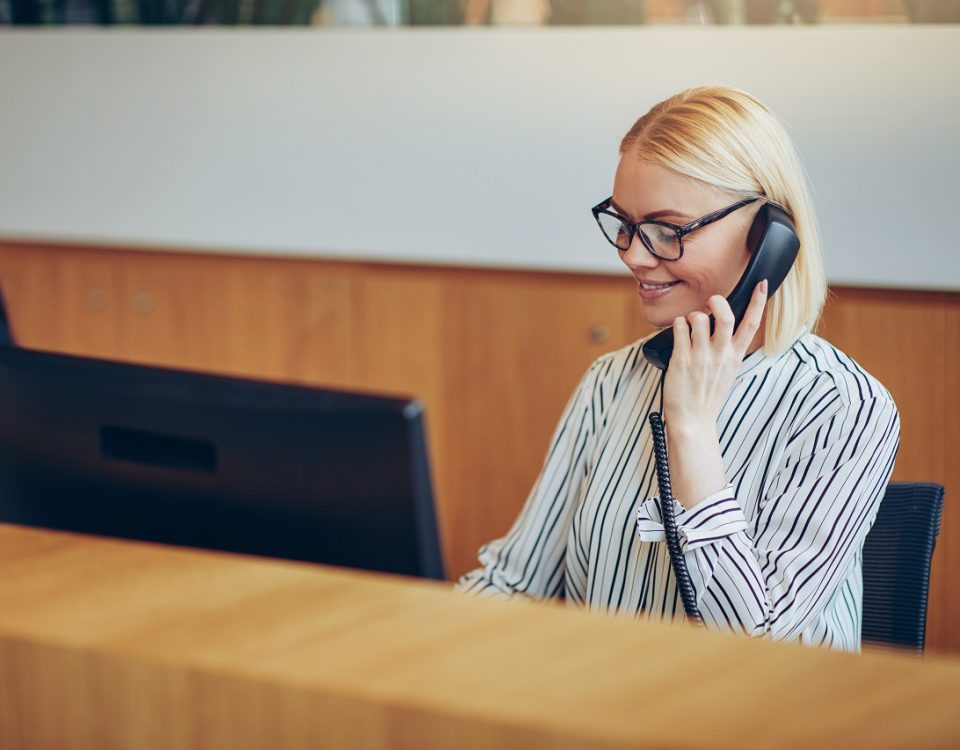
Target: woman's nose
x=637 y=255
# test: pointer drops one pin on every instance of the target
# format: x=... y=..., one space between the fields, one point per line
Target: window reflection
x=475 y=12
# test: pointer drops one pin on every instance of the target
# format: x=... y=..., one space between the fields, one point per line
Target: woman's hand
x=701 y=373
x=703 y=367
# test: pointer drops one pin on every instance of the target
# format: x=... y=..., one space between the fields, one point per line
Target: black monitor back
x=216 y=462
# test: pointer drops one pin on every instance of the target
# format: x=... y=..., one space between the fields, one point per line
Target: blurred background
x=475 y=12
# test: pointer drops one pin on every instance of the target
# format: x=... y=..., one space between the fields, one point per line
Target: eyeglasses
x=661 y=238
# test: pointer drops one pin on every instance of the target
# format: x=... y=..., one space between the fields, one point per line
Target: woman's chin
x=661 y=324
x=660 y=308
x=662 y=316
x=658 y=318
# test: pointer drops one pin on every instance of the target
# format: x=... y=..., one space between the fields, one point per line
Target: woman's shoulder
x=608 y=373
x=826 y=367
x=624 y=361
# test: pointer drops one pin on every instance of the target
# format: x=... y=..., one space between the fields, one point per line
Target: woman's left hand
x=703 y=367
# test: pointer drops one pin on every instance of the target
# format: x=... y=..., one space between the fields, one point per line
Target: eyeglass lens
x=663 y=241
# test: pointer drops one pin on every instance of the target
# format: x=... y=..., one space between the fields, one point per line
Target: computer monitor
x=6 y=337
x=222 y=463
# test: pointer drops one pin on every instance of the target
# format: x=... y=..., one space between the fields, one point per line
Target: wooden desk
x=107 y=644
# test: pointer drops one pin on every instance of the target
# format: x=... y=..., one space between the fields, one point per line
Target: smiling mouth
x=658 y=286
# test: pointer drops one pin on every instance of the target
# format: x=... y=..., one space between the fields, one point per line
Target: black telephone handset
x=773 y=244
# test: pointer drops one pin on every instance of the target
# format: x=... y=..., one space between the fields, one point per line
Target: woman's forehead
x=641 y=188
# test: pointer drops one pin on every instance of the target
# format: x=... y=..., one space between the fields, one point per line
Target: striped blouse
x=808 y=441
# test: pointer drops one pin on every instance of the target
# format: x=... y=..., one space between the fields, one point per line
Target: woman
x=780 y=445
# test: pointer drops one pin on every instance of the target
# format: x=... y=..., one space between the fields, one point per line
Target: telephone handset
x=773 y=244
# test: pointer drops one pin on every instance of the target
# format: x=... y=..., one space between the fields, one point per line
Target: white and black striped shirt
x=808 y=441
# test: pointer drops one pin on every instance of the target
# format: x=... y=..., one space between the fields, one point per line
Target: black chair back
x=896 y=565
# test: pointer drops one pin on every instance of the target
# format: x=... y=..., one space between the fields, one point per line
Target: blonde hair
x=729 y=140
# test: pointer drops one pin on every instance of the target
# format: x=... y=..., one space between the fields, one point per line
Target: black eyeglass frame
x=634 y=227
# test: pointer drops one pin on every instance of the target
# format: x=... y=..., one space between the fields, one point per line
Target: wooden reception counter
x=107 y=644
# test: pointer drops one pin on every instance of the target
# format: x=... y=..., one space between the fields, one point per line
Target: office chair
x=896 y=565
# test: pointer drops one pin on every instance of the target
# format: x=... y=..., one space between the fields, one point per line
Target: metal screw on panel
x=97 y=300
x=599 y=333
x=143 y=303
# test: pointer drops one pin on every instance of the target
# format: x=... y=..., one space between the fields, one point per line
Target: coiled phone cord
x=687 y=593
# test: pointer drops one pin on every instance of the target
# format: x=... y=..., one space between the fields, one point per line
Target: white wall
x=464 y=146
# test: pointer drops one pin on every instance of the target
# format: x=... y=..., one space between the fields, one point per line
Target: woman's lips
x=658 y=292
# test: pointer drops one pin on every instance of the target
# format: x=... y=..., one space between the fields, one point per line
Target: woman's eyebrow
x=668 y=212
x=651 y=216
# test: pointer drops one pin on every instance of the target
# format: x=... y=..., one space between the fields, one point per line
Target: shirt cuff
x=715 y=517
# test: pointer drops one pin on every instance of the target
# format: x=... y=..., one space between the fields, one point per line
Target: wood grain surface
x=110 y=645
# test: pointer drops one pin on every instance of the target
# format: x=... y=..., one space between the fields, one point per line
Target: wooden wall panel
x=251 y=316
x=288 y=321
x=523 y=342
x=493 y=355
x=401 y=344
x=63 y=301
x=945 y=606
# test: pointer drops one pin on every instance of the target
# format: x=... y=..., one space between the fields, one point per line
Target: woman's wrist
x=696 y=463
x=689 y=428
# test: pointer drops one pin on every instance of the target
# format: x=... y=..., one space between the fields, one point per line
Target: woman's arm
x=701 y=373
x=696 y=462
x=529 y=560
x=774 y=577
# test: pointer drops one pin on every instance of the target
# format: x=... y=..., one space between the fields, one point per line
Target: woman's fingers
x=693 y=330
x=700 y=329
x=681 y=337
x=752 y=318
x=723 y=316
